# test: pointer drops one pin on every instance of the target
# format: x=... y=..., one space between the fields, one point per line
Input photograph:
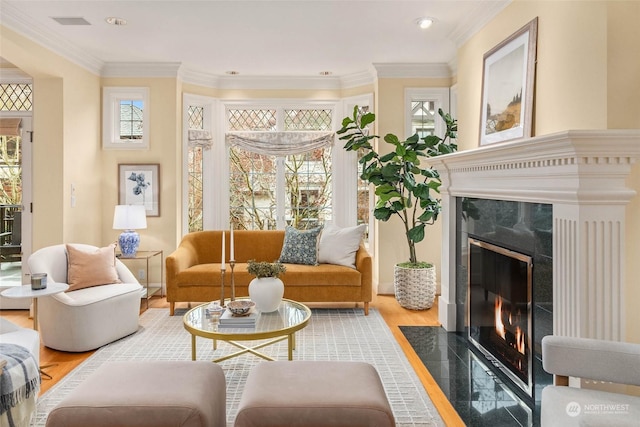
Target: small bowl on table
x=240 y=307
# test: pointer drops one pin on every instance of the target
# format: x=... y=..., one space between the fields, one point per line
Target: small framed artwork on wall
x=508 y=78
x=139 y=184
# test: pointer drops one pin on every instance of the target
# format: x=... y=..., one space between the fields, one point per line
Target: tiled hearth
x=479 y=395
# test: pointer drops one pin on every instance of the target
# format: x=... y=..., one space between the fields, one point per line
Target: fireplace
x=560 y=198
x=499 y=309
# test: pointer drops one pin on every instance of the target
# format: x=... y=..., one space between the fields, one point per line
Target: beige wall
x=391 y=244
x=165 y=138
x=586 y=78
x=623 y=108
x=66 y=124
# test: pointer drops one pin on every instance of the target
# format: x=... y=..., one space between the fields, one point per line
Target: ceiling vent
x=71 y=20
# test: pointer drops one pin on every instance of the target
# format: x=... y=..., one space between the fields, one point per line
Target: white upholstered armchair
x=599 y=360
x=94 y=314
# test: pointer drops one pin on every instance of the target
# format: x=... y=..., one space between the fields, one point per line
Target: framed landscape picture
x=139 y=184
x=508 y=78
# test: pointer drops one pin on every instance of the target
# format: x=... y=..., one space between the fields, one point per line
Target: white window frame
x=280 y=105
x=111 y=97
x=439 y=95
x=211 y=192
x=216 y=160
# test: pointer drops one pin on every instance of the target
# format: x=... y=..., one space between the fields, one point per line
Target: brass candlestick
x=232 y=263
x=222 y=270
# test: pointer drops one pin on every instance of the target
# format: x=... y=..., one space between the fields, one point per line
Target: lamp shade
x=129 y=217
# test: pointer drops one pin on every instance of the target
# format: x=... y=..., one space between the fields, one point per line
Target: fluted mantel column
x=583 y=175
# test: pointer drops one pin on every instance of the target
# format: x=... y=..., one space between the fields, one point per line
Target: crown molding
x=412 y=70
x=17 y=21
x=362 y=78
x=14 y=75
x=276 y=82
x=486 y=11
x=140 y=69
x=198 y=78
x=279 y=82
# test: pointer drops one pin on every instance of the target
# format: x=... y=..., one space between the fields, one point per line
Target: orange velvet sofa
x=193 y=270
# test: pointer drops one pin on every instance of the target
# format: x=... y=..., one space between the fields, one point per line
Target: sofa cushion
x=300 y=246
x=339 y=245
x=91 y=268
x=297 y=275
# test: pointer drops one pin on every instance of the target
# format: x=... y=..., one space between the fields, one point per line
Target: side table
x=147 y=256
x=25 y=291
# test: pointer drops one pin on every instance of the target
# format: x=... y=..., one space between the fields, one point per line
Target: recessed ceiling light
x=325 y=73
x=116 y=21
x=425 y=23
x=232 y=72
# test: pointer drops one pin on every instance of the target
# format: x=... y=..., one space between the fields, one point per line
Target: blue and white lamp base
x=129 y=241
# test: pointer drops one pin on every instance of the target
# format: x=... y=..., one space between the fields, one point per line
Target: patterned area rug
x=332 y=334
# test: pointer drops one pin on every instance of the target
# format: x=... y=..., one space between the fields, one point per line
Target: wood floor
x=393 y=314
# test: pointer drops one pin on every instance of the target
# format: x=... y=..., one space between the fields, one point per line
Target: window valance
x=10 y=126
x=200 y=138
x=280 y=143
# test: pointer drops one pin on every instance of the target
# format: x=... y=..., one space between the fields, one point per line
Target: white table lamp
x=129 y=218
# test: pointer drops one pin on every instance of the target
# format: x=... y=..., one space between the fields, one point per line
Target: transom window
x=423 y=114
x=125 y=118
x=16 y=97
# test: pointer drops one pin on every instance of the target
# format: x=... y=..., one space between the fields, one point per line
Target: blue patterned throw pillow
x=300 y=246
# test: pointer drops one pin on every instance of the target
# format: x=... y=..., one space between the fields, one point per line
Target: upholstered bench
x=314 y=393
x=146 y=393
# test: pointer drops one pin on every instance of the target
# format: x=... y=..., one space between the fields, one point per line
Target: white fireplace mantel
x=583 y=174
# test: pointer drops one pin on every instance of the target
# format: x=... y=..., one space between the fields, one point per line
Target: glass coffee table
x=277 y=326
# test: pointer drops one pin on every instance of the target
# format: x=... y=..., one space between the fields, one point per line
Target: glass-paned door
x=16 y=106
x=15 y=220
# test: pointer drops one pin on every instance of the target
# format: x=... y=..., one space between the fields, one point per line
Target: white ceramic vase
x=267 y=293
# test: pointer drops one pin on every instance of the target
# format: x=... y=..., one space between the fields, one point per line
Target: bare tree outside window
x=308 y=188
x=10 y=170
x=252 y=184
x=254 y=177
x=195 y=173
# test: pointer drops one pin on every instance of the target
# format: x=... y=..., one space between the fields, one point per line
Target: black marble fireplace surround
x=482 y=394
x=521 y=227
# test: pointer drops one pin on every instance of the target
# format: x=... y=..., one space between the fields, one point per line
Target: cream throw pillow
x=86 y=269
x=339 y=245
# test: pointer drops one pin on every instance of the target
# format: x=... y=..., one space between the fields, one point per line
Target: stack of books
x=229 y=320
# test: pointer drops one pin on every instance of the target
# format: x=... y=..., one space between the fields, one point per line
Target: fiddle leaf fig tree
x=405 y=185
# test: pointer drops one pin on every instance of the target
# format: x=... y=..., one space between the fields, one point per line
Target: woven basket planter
x=415 y=288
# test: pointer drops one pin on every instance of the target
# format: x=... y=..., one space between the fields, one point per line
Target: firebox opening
x=500 y=309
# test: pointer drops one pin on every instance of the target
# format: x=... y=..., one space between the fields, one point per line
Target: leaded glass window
x=195 y=172
x=16 y=97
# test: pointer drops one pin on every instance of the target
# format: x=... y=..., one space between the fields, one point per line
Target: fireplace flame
x=519 y=340
x=501 y=328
